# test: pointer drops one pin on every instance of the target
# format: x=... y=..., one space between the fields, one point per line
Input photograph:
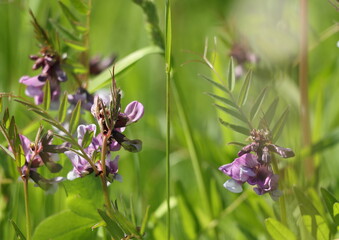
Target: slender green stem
x=303 y=86
x=103 y=175
x=28 y=218
x=85 y=55
x=282 y=198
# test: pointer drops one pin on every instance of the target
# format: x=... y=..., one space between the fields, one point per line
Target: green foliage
x=278 y=231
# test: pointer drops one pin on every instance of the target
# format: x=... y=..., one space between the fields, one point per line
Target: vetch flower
x=50 y=63
x=82 y=95
x=81 y=167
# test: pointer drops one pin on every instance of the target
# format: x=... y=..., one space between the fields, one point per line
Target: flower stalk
x=28 y=218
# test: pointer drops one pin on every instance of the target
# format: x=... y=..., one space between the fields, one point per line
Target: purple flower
x=81 y=167
x=265 y=180
x=50 y=64
x=82 y=95
x=98 y=64
x=242 y=168
x=133 y=111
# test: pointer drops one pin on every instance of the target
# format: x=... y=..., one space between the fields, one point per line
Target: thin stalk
x=168 y=58
x=103 y=175
x=85 y=55
x=282 y=203
x=28 y=218
x=303 y=85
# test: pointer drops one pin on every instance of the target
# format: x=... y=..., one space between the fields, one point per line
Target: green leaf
x=84 y=207
x=5 y=118
x=317 y=226
x=9 y=153
x=18 y=232
x=218 y=85
x=75 y=46
x=237 y=143
x=112 y=226
x=245 y=89
x=73 y=21
x=222 y=99
x=79 y=6
x=326 y=142
x=104 y=79
x=236 y=128
x=47 y=96
x=1 y=104
x=336 y=213
x=279 y=125
x=265 y=122
x=231 y=75
x=87 y=139
x=329 y=200
x=75 y=117
x=232 y=112
x=27 y=104
x=256 y=107
x=63 y=108
x=63 y=31
x=278 y=231
x=65 y=226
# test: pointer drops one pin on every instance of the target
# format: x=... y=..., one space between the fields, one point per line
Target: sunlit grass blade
x=326 y=142
x=237 y=143
x=218 y=85
x=112 y=226
x=18 y=232
x=257 y=104
x=104 y=79
x=329 y=200
x=232 y=113
x=144 y=221
x=222 y=99
x=266 y=120
x=47 y=96
x=75 y=118
x=236 y=128
x=279 y=125
x=245 y=89
x=278 y=231
x=63 y=108
x=231 y=75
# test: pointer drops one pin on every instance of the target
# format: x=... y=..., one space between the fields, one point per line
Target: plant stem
x=282 y=203
x=103 y=175
x=85 y=54
x=28 y=219
x=303 y=85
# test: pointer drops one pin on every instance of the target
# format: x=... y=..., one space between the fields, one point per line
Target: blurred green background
x=271 y=29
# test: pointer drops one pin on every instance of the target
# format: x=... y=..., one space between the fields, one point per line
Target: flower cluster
x=50 y=63
x=242 y=54
x=41 y=153
x=255 y=169
x=81 y=166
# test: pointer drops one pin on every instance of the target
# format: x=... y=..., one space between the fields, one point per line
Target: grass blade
x=75 y=117
x=278 y=127
x=245 y=89
x=256 y=107
x=231 y=75
x=18 y=232
x=144 y=221
x=104 y=79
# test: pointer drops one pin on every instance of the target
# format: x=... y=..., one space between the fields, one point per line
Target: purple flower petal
x=233 y=186
x=31 y=81
x=134 y=111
